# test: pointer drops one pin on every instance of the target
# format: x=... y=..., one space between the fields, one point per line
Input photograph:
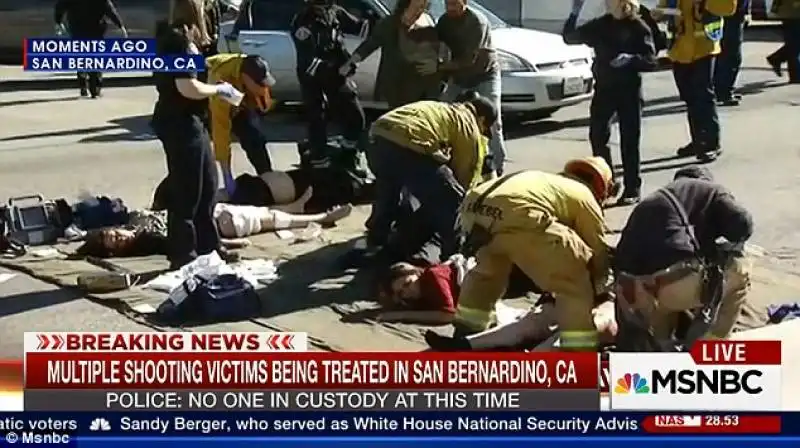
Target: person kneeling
x=433 y=151
x=552 y=227
x=667 y=247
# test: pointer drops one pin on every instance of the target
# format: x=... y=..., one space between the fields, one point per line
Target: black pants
x=695 y=82
x=624 y=100
x=790 y=51
x=432 y=184
x=192 y=185
x=328 y=95
x=729 y=61
x=246 y=125
x=90 y=82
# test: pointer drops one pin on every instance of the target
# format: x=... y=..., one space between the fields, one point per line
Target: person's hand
x=60 y=29
x=230 y=183
x=229 y=93
x=344 y=70
x=124 y=32
x=621 y=60
x=428 y=67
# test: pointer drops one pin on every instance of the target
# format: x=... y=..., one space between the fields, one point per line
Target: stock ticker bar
x=269 y=371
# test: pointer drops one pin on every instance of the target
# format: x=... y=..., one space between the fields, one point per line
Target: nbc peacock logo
x=631 y=383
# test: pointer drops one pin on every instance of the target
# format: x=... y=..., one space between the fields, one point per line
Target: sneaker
x=84 y=92
x=728 y=102
x=629 y=197
x=709 y=155
x=97 y=94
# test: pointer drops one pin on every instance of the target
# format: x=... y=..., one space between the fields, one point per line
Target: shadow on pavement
x=20 y=303
x=38 y=101
x=46 y=84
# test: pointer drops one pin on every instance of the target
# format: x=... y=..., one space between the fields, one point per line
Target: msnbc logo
x=632 y=383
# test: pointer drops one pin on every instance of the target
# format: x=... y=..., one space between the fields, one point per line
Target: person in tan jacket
x=434 y=151
x=552 y=227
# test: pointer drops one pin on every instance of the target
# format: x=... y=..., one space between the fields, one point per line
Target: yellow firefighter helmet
x=596 y=172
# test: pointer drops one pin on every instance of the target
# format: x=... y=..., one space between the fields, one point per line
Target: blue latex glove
x=621 y=60
x=230 y=184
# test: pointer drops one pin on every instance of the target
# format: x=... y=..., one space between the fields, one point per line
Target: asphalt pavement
x=59 y=145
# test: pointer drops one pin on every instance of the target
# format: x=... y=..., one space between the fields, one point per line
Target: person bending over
x=433 y=151
x=552 y=227
x=251 y=76
x=668 y=245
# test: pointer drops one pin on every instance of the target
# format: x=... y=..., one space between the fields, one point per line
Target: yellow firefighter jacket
x=534 y=200
x=690 y=42
x=224 y=67
x=448 y=133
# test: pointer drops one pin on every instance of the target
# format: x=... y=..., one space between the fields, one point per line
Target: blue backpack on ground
x=225 y=297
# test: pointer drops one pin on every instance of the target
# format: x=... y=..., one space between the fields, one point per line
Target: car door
x=265 y=32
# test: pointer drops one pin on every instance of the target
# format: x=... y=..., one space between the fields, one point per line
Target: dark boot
x=441 y=343
x=689 y=150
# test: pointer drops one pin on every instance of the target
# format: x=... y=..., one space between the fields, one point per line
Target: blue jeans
x=431 y=183
x=490 y=89
x=729 y=61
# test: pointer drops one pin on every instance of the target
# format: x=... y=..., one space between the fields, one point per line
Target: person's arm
x=588 y=34
x=113 y=15
x=467 y=154
x=418 y=317
x=472 y=38
x=591 y=227
x=730 y=219
x=722 y=8
x=374 y=41
x=644 y=60
x=350 y=24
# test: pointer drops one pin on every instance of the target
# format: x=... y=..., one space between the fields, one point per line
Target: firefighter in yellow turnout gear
x=552 y=227
x=434 y=151
x=251 y=76
x=696 y=35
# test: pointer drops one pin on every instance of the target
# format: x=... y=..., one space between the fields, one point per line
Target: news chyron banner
x=104 y=55
x=272 y=371
x=712 y=376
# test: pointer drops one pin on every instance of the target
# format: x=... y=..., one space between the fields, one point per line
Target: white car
x=540 y=73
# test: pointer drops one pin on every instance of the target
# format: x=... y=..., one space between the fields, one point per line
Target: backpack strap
x=711 y=295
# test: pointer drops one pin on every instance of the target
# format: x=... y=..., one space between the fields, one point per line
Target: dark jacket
x=610 y=37
x=655 y=236
x=87 y=16
x=321 y=36
x=213 y=15
x=398 y=82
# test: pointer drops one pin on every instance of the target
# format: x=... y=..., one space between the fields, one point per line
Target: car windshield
x=436 y=9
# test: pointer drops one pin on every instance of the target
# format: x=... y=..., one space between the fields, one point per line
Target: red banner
x=242 y=370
